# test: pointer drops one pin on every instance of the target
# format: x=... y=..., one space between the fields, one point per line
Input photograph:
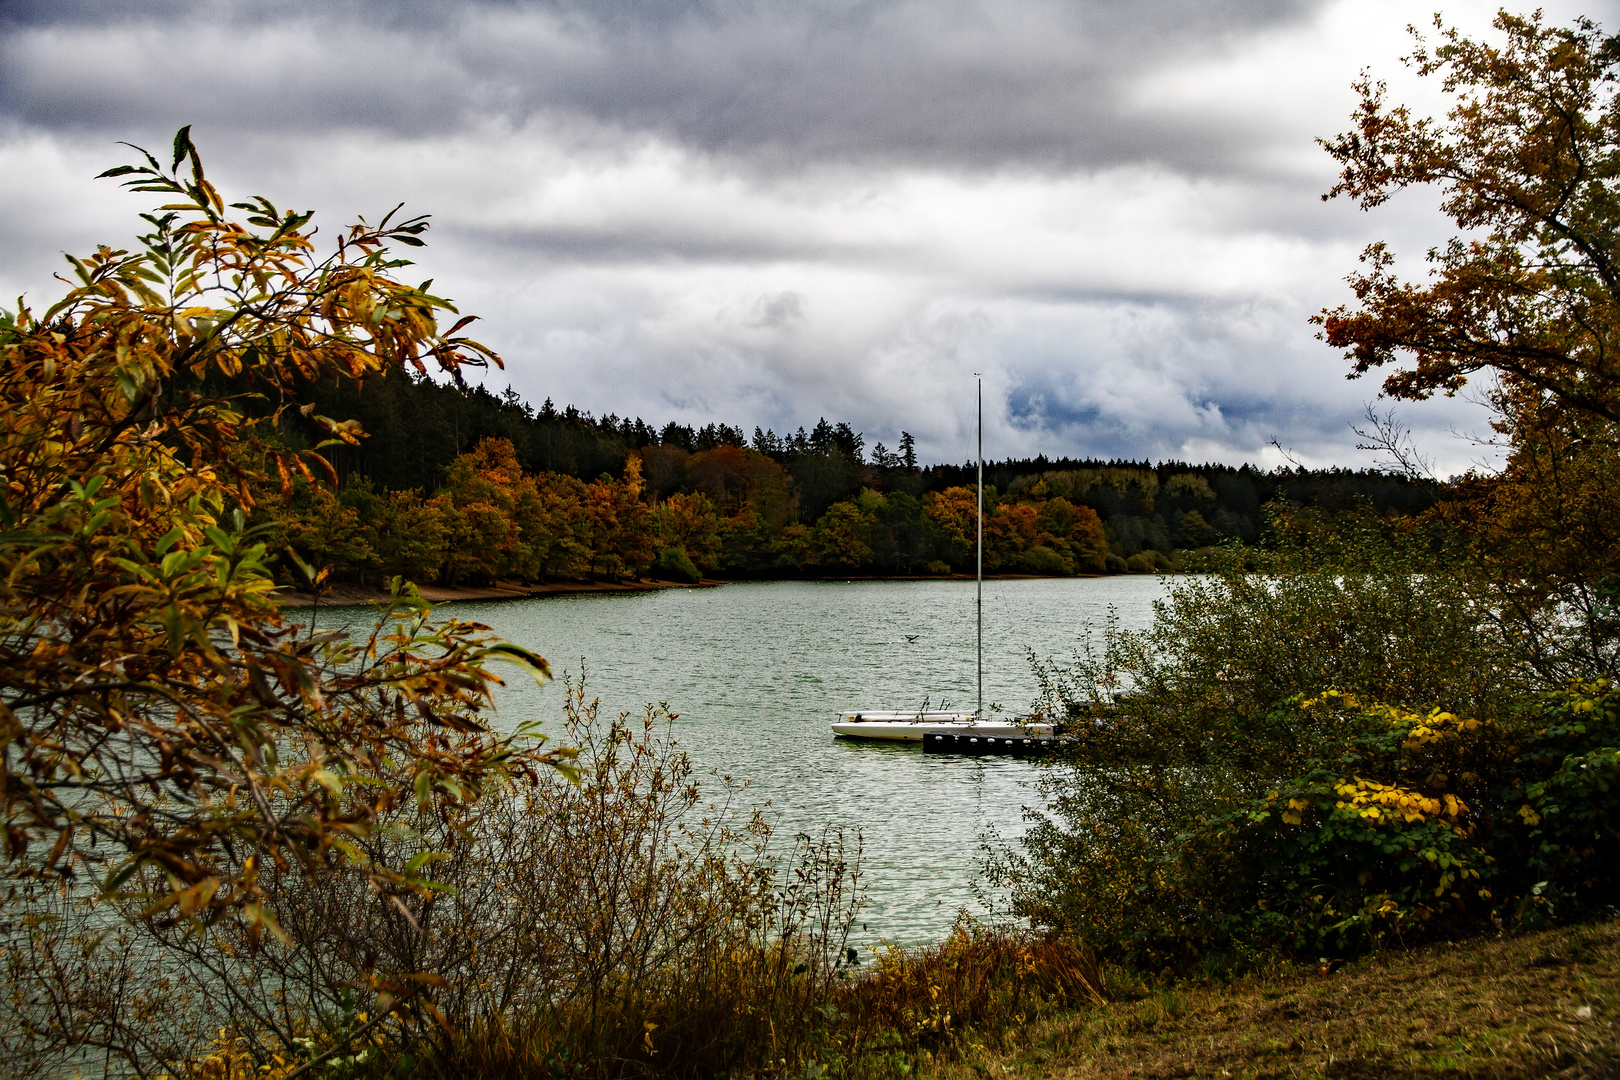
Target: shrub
x=1043 y=560
x=623 y=923
x=1113 y=564
x=1413 y=824
x=632 y=924
x=673 y=564
x=1189 y=723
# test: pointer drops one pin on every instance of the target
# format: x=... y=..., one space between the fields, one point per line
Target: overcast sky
x=765 y=213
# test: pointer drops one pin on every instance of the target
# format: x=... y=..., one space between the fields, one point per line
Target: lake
x=756 y=672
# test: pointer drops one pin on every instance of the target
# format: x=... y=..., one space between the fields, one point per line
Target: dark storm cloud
x=934 y=82
x=770 y=212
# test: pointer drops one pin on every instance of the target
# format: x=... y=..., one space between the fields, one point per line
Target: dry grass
x=751 y=1020
x=1544 y=1004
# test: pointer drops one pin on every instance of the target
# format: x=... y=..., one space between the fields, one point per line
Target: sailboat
x=947 y=730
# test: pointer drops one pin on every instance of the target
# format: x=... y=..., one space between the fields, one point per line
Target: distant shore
x=355 y=596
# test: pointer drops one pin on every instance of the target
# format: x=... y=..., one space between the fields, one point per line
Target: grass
x=1542 y=1004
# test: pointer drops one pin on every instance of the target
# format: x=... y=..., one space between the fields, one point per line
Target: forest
x=454 y=485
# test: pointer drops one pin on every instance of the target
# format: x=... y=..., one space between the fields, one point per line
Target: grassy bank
x=1540 y=1004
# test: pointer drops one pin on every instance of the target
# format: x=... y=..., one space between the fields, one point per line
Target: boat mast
x=978 y=599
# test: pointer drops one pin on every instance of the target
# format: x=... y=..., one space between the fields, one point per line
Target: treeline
x=457 y=485
x=726 y=511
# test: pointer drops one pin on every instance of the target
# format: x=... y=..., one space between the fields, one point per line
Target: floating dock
x=950 y=742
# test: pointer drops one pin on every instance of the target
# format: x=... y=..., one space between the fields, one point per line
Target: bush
x=1043 y=560
x=673 y=564
x=1113 y=564
x=619 y=924
x=1142 y=562
x=1172 y=561
x=1415 y=824
x=1188 y=723
x=626 y=925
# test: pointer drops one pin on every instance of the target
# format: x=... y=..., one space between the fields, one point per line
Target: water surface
x=756 y=672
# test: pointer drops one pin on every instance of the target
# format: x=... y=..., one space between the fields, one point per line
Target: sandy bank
x=350 y=595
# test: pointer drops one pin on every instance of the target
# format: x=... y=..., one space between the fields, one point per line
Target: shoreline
x=355 y=596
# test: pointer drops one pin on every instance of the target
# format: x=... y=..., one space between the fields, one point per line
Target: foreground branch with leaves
x=162 y=729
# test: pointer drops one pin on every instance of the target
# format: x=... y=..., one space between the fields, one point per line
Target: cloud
x=935 y=82
x=764 y=213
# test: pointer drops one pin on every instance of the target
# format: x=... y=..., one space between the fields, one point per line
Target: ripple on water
x=757 y=670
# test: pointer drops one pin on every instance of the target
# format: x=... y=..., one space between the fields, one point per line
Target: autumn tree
x=548 y=516
x=1527 y=295
x=734 y=477
x=953 y=515
x=327 y=530
x=691 y=524
x=1009 y=532
x=1076 y=530
x=1526 y=161
x=621 y=526
x=483 y=486
x=842 y=536
x=163 y=731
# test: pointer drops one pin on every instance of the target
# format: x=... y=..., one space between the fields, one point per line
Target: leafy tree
x=691 y=524
x=1529 y=296
x=953 y=516
x=1193 y=531
x=411 y=542
x=664 y=469
x=1526 y=161
x=843 y=535
x=483 y=534
x=161 y=728
x=904 y=534
x=1009 y=532
x=791 y=548
x=621 y=526
x=732 y=476
x=328 y=530
x=552 y=531
x=1076 y=528
x=745 y=543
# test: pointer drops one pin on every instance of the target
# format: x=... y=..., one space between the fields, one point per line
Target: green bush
x=1141 y=563
x=1043 y=560
x=1178 y=731
x=1399 y=825
x=673 y=564
x=1419 y=823
x=1113 y=564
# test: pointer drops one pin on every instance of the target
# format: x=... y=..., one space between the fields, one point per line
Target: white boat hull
x=914 y=727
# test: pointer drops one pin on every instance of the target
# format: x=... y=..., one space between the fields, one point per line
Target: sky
x=763 y=213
